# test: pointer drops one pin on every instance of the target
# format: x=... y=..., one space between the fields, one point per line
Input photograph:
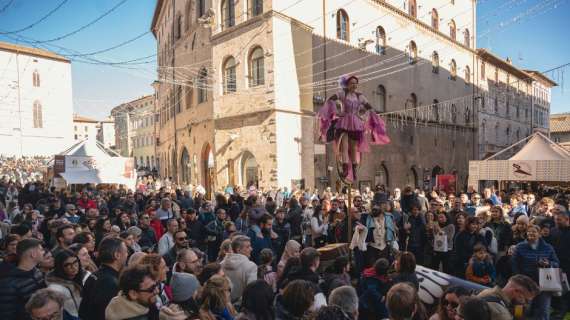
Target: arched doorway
x=208 y=169
x=382 y=177
x=185 y=166
x=412 y=177
x=249 y=170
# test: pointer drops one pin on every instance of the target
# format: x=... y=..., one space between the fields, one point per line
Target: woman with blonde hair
x=292 y=249
x=225 y=248
x=216 y=302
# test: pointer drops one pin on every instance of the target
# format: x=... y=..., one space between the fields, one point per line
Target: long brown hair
x=215 y=297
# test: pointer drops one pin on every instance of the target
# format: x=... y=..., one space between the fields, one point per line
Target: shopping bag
x=440 y=242
x=549 y=279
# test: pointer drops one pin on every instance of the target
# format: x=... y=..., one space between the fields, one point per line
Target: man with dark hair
x=180 y=243
x=45 y=304
x=196 y=230
x=310 y=261
x=474 y=308
x=137 y=297
x=22 y=230
x=263 y=240
x=148 y=237
x=102 y=286
x=215 y=230
x=18 y=284
x=64 y=237
x=519 y=291
x=413 y=228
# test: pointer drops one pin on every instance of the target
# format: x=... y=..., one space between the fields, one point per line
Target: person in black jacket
x=295 y=218
x=465 y=242
x=413 y=227
x=103 y=285
x=147 y=239
x=20 y=282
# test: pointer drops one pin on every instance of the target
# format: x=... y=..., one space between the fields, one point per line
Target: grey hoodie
x=241 y=271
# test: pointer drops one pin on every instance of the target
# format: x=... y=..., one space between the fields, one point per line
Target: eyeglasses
x=450 y=304
x=54 y=316
x=151 y=289
x=71 y=264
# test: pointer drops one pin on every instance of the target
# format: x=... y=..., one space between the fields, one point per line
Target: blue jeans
x=540 y=308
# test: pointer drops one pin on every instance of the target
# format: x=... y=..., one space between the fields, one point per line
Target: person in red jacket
x=85 y=203
x=155 y=223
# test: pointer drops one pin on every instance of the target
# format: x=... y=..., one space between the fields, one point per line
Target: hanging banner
x=446 y=182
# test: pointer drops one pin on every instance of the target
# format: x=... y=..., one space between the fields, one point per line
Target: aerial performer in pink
x=346 y=119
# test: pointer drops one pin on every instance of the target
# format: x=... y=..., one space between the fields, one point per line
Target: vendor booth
x=88 y=161
x=540 y=160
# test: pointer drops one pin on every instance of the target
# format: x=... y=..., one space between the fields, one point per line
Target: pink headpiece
x=344 y=79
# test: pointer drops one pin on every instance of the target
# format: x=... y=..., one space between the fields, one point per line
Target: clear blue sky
x=537 y=40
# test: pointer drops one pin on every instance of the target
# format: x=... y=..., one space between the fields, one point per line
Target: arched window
x=201 y=8
x=508 y=133
x=256 y=68
x=467 y=75
x=413 y=52
x=497 y=133
x=38 y=115
x=380 y=40
x=189 y=95
x=483 y=70
x=453 y=113
x=453 y=69
x=435 y=62
x=435 y=107
x=434 y=19
x=452 y=29
x=380 y=98
x=178 y=97
x=228 y=14
x=496 y=105
x=412 y=102
x=36 y=78
x=202 y=86
x=229 y=75
x=413 y=9
x=256 y=7
x=342 y=25
x=178 y=30
x=188 y=11
x=467 y=38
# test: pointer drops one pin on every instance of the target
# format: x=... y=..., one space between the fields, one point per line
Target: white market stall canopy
x=540 y=159
x=88 y=161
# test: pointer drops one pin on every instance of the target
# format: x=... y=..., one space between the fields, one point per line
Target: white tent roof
x=88 y=148
x=539 y=147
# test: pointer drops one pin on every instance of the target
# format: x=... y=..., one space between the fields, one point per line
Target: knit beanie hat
x=183 y=285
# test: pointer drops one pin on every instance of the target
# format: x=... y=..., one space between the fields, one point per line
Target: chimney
x=509 y=60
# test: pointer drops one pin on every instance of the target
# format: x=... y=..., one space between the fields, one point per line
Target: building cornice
x=421 y=24
x=40 y=53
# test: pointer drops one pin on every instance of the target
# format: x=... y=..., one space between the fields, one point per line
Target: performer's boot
x=345 y=170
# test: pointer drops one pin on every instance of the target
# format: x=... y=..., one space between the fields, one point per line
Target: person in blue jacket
x=529 y=256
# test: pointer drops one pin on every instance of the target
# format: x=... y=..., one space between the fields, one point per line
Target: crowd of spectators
x=164 y=252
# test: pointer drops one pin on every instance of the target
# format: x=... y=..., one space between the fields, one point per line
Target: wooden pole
x=349 y=212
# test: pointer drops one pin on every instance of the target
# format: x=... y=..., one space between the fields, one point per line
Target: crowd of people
x=162 y=252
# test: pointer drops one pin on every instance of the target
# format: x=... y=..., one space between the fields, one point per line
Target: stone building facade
x=36 y=114
x=84 y=128
x=106 y=133
x=560 y=128
x=240 y=82
x=134 y=130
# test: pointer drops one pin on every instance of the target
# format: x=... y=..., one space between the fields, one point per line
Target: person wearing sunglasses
x=68 y=278
x=137 y=295
x=447 y=308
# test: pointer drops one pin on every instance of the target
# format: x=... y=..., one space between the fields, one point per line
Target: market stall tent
x=88 y=161
x=540 y=160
